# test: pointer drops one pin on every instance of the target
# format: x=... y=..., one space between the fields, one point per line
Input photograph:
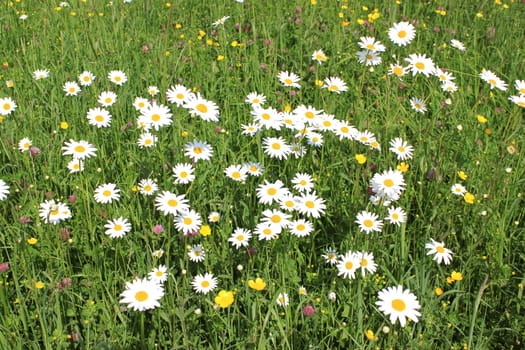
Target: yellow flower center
x=344 y=129
x=180 y=96
x=99 y=118
x=388 y=182
x=236 y=175
x=398 y=305
x=141 y=296
x=183 y=174
x=240 y=238
x=309 y=115
x=420 y=65
x=72 y=89
x=106 y=193
x=205 y=284
x=6 y=106
x=117 y=227
x=276 y=219
x=300 y=227
x=440 y=249
x=265 y=116
x=108 y=100
x=201 y=107
x=309 y=204
x=401 y=149
x=155 y=117
x=173 y=203
x=401 y=34
x=398 y=71
x=276 y=145
x=395 y=216
x=492 y=82
x=267 y=231
x=197 y=150
x=333 y=88
x=368 y=223
x=349 y=265
x=288 y=81
x=272 y=191
x=187 y=221
x=148 y=141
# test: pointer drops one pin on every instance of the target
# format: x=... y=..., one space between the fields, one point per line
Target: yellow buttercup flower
x=224 y=299
x=258 y=284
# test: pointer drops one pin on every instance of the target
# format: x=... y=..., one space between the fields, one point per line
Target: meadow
x=312 y=174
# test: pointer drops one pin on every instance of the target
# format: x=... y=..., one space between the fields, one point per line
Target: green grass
x=163 y=44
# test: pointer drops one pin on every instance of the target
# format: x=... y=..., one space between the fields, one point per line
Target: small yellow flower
x=288 y=108
x=438 y=291
x=319 y=83
x=178 y=26
x=184 y=134
x=32 y=241
x=9 y=83
x=403 y=167
x=224 y=299
x=39 y=285
x=469 y=198
x=479 y=15
x=450 y=280
x=360 y=21
x=462 y=175
x=168 y=4
x=456 y=276
x=441 y=12
x=488 y=131
x=369 y=334
x=209 y=42
x=481 y=119
x=64 y=125
x=361 y=158
x=258 y=284
x=220 y=58
x=134 y=188
x=313 y=2
x=205 y=230
x=234 y=43
x=167 y=53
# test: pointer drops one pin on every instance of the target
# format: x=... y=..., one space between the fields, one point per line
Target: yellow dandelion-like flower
x=469 y=198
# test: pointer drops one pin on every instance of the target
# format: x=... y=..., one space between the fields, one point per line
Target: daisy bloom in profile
x=4 y=190
x=397 y=70
x=206 y=110
x=117 y=228
x=368 y=222
x=171 y=203
x=147 y=187
x=289 y=79
x=146 y=139
x=319 y=56
x=220 y=21
x=196 y=253
x=310 y=204
x=401 y=148
x=75 y=166
x=418 y=105
x=444 y=77
x=40 y=74
x=254 y=168
x=159 y=274
x=370 y=44
x=369 y=58
x=86 y=78
x=335 y=84
x=79 y=149
x=255 y=99
x=520 y=86
x=519 y=100
x=276 y=147
x=155 y=116
x=303 y=182
x=282 y=299
x=71 y=88
x=449 y=87
x=140 y=103
x=348 y=265
x=117 y=77
x=178 y=94
x=24 y=144
x=183 y=173
x=441 y=254
x=269 y=192
x=198 y=150
x=99 y=117
x=300 y=227
x=396 y=216
x=204 y=283
x=458 y=190
x=188 y=221
x=267 y=231
x=250 y=129
x=402 y=33
x=107 y=98
x=53 y=212
x=107 y=193
x=240 y=237
x=399 y=304
x=366 y=262
x=330 y=256
x=457 y=44
x=420 y=64
x=224 y=299
x=142 y=294
x=236 y=172
x=493 y=80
